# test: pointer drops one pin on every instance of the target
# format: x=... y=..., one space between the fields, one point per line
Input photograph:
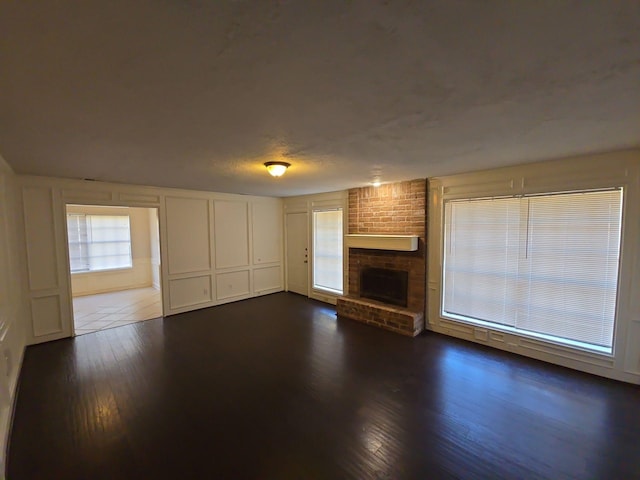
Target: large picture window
x=327 y=250
x=98 y=242
x=543 y=265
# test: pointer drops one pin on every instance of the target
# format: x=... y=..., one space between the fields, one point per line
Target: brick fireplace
x=399 y=209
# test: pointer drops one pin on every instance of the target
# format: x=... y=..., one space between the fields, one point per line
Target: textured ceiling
x=197 y=94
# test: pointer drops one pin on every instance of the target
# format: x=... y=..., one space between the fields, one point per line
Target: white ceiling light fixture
x=277 y=169
x=376 y=182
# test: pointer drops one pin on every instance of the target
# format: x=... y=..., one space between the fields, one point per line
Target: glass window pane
x=572 y=266
x=544 y=264
x=327 y=250
x=98 y=242
x=482 y=241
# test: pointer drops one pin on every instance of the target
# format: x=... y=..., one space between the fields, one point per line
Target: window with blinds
x=327 y=250
x=543 y=265
x=98 y=242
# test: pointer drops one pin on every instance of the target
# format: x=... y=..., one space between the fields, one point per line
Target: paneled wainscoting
x=276 y=387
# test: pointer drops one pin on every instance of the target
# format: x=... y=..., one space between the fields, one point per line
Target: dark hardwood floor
x=277 y=388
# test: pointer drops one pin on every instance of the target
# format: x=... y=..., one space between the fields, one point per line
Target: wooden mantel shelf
x=402 y=243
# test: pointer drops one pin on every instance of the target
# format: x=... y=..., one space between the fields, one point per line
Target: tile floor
x=114 y=309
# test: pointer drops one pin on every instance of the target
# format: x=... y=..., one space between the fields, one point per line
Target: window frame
x=580 y=345
x=90 y=213
x=326 y=290
x=619 y=169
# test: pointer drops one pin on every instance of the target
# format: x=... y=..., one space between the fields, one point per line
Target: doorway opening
x=114 y=263
x=298 y=253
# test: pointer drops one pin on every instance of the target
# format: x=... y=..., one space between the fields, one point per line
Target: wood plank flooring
x=277 y=388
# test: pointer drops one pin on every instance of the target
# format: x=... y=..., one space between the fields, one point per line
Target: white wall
x=139 y=275
x=580 y=173
x=154 y=247
x=307 y=204
x=212 y=248
x=12 y=320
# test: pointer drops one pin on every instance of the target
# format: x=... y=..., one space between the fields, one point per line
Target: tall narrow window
x=544 y=265
x=98 y=242
x=327 y=250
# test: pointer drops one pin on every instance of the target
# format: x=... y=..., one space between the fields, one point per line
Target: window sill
x=104 y=271
x=547 y=339
x=328 y=291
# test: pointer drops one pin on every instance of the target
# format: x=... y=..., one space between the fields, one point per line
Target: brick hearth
x=397 y=208
x=389 y=317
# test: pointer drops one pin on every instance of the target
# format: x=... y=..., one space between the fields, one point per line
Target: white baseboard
x=114 y=289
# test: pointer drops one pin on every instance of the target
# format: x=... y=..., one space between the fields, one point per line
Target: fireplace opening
x=385 y=285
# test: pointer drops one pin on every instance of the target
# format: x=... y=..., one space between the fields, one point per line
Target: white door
x=297 y=253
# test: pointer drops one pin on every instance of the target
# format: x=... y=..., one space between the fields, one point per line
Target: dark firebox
x=384 y=285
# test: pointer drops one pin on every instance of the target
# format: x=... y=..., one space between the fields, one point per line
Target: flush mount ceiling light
x=277 y=169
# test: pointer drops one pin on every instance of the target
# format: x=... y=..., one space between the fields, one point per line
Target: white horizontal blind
x=544 y=264
x=571 y=269
x=481 y=243
x=78 y=242
x=99 y=242
x=327 y=250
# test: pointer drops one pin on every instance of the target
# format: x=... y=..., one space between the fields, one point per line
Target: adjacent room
x=114 y=262
x=359 y=240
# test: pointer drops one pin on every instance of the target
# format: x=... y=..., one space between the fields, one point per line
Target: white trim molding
x=400 y=243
